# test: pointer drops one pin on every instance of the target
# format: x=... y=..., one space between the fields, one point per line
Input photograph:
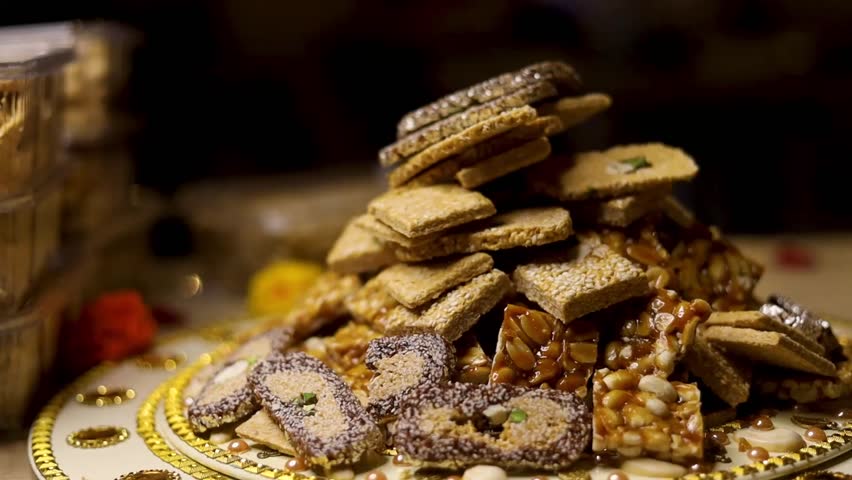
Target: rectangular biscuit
x=573 y=111
x=419 y=211
x=526 y=227
x=444 y=171
x=322 y=303
x=504 y=163
x=414 y=285
x=371 y=304
x=357 y=251
x=386 y=234
x=728 y=379
x=261 y=429
x=456 y=311
x=618 y=212
x=459 y=142
x=615 y=172
x=403 y=363
x=587 y=279
x=322 y=418
x=759 y=321
x=773 y=348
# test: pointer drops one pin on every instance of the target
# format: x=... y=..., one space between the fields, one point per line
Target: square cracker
x=386 y=234
x=586 y=279
x=616 y=172
x=619 y=212
x=414 y=285
x=728 y=379
x=573 y=111
x=419 y=211
x=460 y=142
x=357 y=251
x=456 y=311
x=444 y=171
x=526 y=227
x=758 y=321
x=261 y=429
x=504 y=163
x=773 y=348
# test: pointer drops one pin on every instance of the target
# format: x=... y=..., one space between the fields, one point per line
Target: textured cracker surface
x=445 y=170
x=526 y=227
x=573 y=111
x=441 y=426
x=758 y=321
x=769 y=347
x=459 y=142
x=594 y=174
x=419 y=211
x=357 y=251
x=420 y=140
x=456 y=311
x=504 y=163
x=583 y=281
x=558 y=73
x=729 y=380
x=413 y=285
x=261 y=429
x=386 y=234
x=619 y=212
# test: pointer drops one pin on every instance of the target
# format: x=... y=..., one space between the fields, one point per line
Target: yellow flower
x=274 y=288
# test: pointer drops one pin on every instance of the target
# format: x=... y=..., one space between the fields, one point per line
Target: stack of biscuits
x=497 y=288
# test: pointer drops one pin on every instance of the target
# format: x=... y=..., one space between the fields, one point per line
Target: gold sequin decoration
x=98 y=437
x=105 y=396
x=150 y=475
x=823 y=475
x=165 y=361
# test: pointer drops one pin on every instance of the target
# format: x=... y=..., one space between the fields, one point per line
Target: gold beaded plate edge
x=253 y=464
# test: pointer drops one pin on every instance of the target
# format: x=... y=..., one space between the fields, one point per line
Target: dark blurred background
x=757 y=91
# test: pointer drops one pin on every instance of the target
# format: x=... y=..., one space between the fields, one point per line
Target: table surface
x=823 y=286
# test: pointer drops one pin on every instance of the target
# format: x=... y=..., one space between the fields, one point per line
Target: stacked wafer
x=497 y=286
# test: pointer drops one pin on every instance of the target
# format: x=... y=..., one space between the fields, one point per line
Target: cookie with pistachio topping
x=226 y=397
x=401 y=364
x=463 y=424
x=322 y=418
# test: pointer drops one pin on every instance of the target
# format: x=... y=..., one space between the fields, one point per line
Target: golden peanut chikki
x=769 y=347
x=534 y=349
x=323 y=303
x=420 y=211
x=572 y=111
x=585 y=279
x=458 y=125
x=460 y=142
x=371 y=304
x=358 y=251
x=463 y=424
x=226 y=397
x=504 y=163
x=637 y=416
x=616 y=172
x=559 y=74
x=526 y=227
x=456 y=311
x=386 y=234
x=728 y=378
x=472 y=364
x=323 y=420
x=414 y=285
x=261 y=429
x=445 y=171
x=400 y=364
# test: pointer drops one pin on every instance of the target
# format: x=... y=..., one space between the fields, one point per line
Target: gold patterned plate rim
x=777 y=465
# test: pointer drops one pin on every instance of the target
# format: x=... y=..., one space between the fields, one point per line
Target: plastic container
x=103 y=63
x=29 y=237
x=31 y=60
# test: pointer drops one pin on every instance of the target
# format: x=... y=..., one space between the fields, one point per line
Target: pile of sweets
x=498 y=288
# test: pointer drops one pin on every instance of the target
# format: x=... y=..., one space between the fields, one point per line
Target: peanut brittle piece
x=403 y=363
x=586 y=279
x=463 y=424
x=472 y=364
x=323 y=420
x=534 y=349
x=371 y=304
x=636 y=415
x=226 y=397
x=322 y=303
